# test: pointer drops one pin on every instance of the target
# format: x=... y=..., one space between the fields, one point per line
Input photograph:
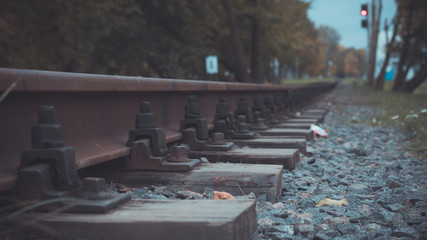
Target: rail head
x=38 y=81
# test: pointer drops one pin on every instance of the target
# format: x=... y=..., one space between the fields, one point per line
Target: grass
x=407 y=112
x=305 y=81
x=11 y=221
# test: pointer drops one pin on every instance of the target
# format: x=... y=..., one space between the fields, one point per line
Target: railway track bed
x=66 y=135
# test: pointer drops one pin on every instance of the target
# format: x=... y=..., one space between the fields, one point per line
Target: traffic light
x=364 y=10
x=364 y=13
x=365 y=23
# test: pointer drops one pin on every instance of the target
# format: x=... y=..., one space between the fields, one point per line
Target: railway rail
x=73 y=123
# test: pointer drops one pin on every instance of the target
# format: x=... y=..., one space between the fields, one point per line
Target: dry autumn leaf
x=328 y=201
x=373 y=165
x=222 y=195
x=125 y=190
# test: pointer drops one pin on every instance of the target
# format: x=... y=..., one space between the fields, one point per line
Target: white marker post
x=212 y=64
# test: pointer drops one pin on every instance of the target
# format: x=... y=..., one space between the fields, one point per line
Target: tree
x=389 y=48
x=330 y=39
x=255 y=74
x=412 y=46
x=350 y=62
x=155 y=38
x=373 y=41
x=240 y=65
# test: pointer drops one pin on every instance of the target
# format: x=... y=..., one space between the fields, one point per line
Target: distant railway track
x=96 y=114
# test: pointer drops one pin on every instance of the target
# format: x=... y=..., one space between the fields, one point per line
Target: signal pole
x=365 y=24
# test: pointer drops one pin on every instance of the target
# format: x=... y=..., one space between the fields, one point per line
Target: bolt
x=192 y=109
x=242 y=106
x=145 y=119
x=144 y=107
x=94 y=185
x=258 y=101
x=217 y=139
x=46 y=115
x=178 y=154
x=222 y=106
x=242 y=127
x=241 y=119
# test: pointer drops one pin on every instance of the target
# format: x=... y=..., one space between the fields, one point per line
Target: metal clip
x=217 y=142
x=271 y=111
x=243 y=109
x=48 y=170
x=149 y=150
x=145 y=127
x=194 y=118
x=224 y=122
x=194 y=130
x=258 y=110
x=280 y=106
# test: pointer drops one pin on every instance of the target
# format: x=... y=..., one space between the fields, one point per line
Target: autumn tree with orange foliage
x=350 y=62
x=165 y=38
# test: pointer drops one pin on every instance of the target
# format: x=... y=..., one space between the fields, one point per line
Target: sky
x=344 y=16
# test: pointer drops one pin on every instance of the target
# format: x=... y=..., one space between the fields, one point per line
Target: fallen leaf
x=125 y=190
x=328 y=201
x=121 y=188
x=374 y=164
x=222 y=195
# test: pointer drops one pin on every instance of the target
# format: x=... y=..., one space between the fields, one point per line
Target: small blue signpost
x=389 y=74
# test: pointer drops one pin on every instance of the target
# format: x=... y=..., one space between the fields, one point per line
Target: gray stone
x=372 y=227
x=265 y=222
x=348 y=228
x=398 y=220
x=364 y=197
x=358 y=152
x=325 y=235
x=421 y=228
x=359 y=188
x=311 y=160
x=415 y=219
x=334 y=221
x=279 y=236
x=305 y=229
x=405 y=232
x=287 y=229
x=262 y=198
x=365 y=210
x=188 y=195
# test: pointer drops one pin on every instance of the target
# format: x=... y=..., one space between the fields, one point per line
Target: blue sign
x=212 y=64
x=389 y=73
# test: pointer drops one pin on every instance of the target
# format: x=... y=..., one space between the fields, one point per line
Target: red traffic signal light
x=364 y=11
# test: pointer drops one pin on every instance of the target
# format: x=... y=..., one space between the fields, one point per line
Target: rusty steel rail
x=97 y=111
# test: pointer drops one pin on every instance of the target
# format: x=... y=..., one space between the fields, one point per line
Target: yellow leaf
x=222 y=195
x=328 y=201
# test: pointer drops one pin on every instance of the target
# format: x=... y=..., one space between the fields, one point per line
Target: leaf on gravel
x=222 y=195
x=122 y=188
x=328 y=201
x=374 y=165
x=125 y=190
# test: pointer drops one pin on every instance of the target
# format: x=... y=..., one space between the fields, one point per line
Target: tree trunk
x=418 y=78
x=374 y=42
x=380 y=79
x=240 y=70
x=404 y=53
x=255 y=49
